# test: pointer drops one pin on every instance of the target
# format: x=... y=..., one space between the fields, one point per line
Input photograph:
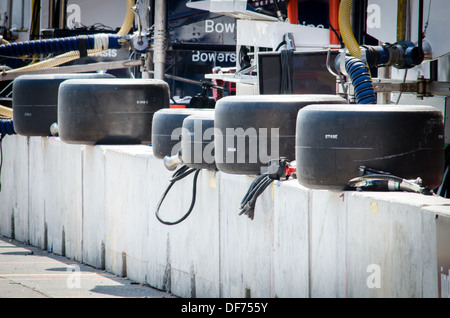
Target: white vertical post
x=159 y=58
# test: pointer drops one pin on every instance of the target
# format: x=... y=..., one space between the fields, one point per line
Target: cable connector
x=173 y=162
x=371 y=179
x=281 y=169
x=290 y=42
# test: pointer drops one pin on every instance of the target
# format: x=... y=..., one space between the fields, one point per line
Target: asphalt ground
x=28 y=272
x=29 y=277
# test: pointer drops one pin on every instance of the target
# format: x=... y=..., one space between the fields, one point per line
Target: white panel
x=382 y=20
x=110 y=13
x=270 y=34
x=382 y=23
x=437 y=32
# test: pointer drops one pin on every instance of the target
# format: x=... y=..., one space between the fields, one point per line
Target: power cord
x=256 y=188
x=280 y=169
x=181 y=173
x=286 y=85
x=287 y=64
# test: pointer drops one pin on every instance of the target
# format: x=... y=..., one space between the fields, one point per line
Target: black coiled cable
x=181 y=173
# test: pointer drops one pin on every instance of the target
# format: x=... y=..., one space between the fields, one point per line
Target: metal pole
x=22 y=26
x=10 y=10
x=145 y=12
x=51 y=14
x=159 y=58
x=401 y=20
x=62 y=14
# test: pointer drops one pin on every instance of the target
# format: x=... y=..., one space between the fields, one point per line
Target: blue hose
x=361 y=80
x=7 y=127
x=59 y=45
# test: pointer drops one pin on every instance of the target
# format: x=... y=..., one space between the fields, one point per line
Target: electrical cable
x=404 y=81
x=287 y=65
x=420 y=30
x=180 y=174
x=256 y=181
x=280 y=169
x=257 y=187
x=280 y=45
x=286 y=85
x=278 y=11
x=179 y=61
x=338 y=35
x=428 y=20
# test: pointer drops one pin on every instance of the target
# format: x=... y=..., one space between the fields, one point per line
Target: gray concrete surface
x=96 y=204
x=29 y=272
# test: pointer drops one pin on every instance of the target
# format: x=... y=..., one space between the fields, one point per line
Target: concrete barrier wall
x=97 y=205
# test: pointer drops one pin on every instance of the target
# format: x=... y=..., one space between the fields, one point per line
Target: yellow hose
x=401 y=20
x=58 y=60
x=129 y=19
x=6 y=111
x=70 y=56
x=345 y=9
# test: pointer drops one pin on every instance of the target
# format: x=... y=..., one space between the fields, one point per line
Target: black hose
x=181 y=173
